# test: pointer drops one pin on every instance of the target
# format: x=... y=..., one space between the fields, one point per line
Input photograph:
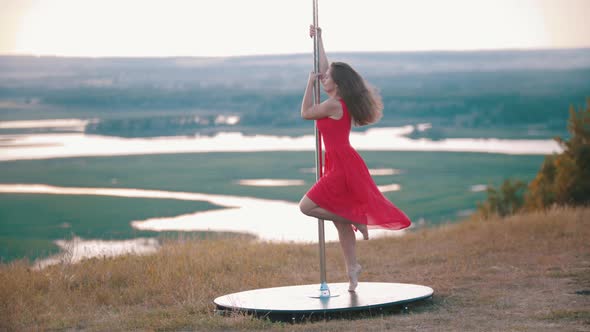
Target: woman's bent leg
x=310 y=208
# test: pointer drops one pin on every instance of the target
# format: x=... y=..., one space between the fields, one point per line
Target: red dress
x=346 y=188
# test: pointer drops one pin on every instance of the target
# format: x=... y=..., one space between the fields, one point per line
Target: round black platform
x=296 y=302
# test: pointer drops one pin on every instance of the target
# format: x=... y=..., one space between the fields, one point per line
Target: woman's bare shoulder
x=336 y=107
x=333 y=102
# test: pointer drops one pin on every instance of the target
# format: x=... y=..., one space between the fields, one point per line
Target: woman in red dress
x=346 y=194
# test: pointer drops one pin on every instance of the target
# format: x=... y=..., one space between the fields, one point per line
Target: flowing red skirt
x=348 y=190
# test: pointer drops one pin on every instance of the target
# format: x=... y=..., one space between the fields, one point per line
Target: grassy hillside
x=529 y=272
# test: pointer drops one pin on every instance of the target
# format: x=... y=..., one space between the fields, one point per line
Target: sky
x=250 y=27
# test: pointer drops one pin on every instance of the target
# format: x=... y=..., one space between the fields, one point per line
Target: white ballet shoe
x=353 y=277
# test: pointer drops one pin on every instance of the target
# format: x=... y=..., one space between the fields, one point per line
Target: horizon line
x=490 y=50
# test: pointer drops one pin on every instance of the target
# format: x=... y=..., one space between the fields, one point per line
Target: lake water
x=64 y=145
x=257 y=216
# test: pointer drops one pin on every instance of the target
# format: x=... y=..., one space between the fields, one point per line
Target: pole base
x=292 y=303
x=324 y=292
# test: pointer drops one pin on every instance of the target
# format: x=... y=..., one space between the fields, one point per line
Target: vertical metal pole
x=324 y=290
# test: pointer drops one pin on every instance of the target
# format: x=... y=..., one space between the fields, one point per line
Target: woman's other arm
x=309 y=111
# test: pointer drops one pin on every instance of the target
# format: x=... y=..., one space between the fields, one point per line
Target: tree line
x=563 y=179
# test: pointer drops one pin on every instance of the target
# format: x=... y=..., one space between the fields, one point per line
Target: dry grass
x=516 y=274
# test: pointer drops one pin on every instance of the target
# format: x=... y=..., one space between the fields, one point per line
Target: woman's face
x=328 y=82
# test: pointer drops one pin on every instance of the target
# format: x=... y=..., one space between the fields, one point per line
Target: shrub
x=506 y=200
x=564 y=178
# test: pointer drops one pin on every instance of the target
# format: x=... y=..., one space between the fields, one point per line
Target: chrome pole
x=324 y=290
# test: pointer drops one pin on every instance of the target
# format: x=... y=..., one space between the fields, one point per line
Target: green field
x=435 y=187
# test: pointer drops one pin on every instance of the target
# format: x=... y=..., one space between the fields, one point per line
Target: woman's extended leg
x=310 y=208
x=345 y=235
x=348 y=245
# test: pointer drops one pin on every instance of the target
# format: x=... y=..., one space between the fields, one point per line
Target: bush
x=506 y=200
x=564 y=178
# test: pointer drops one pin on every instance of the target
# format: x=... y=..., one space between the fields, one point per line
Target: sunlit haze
x=236 y=27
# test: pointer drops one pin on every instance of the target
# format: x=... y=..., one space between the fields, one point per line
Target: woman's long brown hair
x=363 y=101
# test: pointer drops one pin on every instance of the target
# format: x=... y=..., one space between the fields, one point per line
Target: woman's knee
x=306 y=205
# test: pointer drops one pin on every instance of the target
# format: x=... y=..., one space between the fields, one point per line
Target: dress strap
x=344 y=109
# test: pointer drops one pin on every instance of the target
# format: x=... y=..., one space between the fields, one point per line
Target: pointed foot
x=353 y=277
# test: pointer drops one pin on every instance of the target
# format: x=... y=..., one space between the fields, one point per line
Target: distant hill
x=494 y=93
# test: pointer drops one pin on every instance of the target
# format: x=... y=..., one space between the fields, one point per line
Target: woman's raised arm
x=323 y=58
